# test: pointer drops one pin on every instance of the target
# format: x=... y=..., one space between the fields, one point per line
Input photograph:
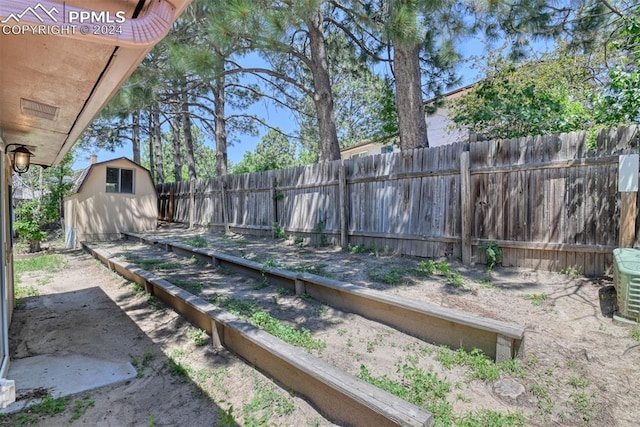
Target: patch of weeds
x=317 y=269
x=342 y=331
x=349 y=342
x=319 y=228
x=487 y=283
x=147 y=264
x=140 y=365
x=197 y=335
x=299 y=241
x=513 y=368
x=578 y=382
x=48 y=262
x=536 y=299
x=305 y=296
x=479 y=365
x=225 y=417
x=263 y=320
x=32 y=415
x=271 y=262
x=80 y=406
x=443 y=268
x=260 y=284
x=493 y=254
x=424 y=389
x=173 y=265
x=136 y=288
x=197 y=242
x=41 y=281
x=322 y=310
x=284 y=292
x=356 y=249
x=544 y=402
x=581 y=405
x=425 y=268
x=154 y=303
x=152 y=421
x=192 y=287
x=635 y=334
x=25 y=292
x=265 y=403
x=391 y=277
x=177 y=368
x=572 y=272
x=491 y=418
x=456 y=280
x=278 y=231
x=371 y=346
x=297 y=337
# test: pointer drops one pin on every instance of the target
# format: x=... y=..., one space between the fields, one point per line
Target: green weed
x=319 y=228
x=536 y=299
x=197 y=242
x=493 y=254
x=192 y=287
x=391 y=277
x=426 y=268
x=635 y=334
x=80 y=406
x=48 y=262
x=263 y=320
x=266 y=403
x=479 y=365
x=356 y=249
x=491 y=418
x=197 y=335
x=424 y=389
x=573 y=272
x=278 y=231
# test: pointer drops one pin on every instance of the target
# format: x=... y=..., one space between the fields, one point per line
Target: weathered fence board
x=550 y=202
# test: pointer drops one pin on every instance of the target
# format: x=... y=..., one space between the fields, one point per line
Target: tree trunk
x=220 y=125
x=152 y=156
x=135 y=137
x=188 y=135
x=412 y=124
x=323 y=94
x=157 y=145
x=177 y=145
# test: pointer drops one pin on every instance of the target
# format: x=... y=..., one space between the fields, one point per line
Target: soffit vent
x=38 y=109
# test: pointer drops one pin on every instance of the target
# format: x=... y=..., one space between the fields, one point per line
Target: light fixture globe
x=20 y=158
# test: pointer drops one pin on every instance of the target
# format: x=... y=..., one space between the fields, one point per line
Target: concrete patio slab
x=63 y=376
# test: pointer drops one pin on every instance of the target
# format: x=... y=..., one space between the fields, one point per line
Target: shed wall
x=94 y=214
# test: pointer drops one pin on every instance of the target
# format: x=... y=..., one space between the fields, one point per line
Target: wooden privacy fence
x=549 y=202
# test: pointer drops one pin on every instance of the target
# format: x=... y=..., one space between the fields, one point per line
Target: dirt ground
x=578 y=367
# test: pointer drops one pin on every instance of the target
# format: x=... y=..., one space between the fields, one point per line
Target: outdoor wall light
x=20 y=158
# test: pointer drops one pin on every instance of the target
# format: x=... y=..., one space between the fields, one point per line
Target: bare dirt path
x=578 y=368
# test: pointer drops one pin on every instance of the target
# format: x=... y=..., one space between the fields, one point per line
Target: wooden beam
x=466 y=212
x=344 y=207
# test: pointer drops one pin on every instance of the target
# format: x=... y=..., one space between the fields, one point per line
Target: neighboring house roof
x=438 y=125
x=21 y=191
x=81 y=177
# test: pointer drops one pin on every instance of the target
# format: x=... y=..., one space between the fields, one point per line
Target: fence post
x=465 y=207
x=223 y=196
x=274 y=205
x=192 y=203
x=628 y=167
x=344 y=207
x=169 y=214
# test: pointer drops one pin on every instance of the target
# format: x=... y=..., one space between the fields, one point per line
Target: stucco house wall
x=92 y=213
